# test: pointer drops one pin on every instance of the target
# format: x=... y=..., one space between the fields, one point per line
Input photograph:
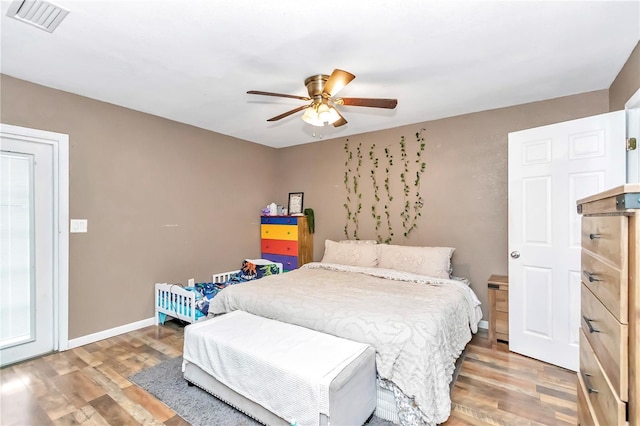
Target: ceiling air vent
x=44 y=15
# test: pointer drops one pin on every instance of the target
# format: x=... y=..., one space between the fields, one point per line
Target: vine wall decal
x=376 y=189
x=383 y=169
x=347 y=205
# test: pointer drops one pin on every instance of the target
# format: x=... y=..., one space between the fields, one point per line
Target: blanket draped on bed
x=205 y=292
x=418 y=325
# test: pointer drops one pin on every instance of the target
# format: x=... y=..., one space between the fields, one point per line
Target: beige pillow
x=431 y=261
x=350 y=254
x=358 y=242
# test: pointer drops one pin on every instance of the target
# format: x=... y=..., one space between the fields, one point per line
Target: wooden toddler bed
x=185 y=303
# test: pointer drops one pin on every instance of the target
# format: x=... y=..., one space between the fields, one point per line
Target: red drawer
x=286 y=247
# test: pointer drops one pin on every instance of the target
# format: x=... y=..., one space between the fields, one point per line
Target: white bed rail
x=223 y=276
x=174 y=301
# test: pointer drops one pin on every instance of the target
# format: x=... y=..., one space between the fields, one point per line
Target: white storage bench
x=279 y=373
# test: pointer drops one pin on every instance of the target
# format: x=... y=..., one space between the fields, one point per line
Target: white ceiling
x=193 y=61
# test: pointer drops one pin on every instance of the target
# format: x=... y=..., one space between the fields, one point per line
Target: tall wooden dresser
x=609 y=376
x=286 y=239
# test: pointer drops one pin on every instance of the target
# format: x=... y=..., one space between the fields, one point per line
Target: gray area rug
x=165 y=382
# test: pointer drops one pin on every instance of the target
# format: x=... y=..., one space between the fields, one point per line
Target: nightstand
x=498 y=308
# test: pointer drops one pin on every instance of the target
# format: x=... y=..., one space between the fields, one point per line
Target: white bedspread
x=418 y=325
x=271 y=362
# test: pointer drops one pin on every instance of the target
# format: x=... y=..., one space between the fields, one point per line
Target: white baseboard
x=483 y=324
x=101 y=335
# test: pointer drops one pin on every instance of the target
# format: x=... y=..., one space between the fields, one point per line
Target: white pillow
x=350 y=254
x=431 y=261
x=358 y=242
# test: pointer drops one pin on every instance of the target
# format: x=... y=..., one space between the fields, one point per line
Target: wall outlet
x=78 y=225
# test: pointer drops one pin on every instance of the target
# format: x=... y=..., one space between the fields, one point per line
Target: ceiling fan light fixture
x=321 y=115
x=322 y=110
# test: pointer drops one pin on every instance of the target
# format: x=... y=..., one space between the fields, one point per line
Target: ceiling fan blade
x=368 y=102
x=337 y=80
x=280 y=95
x=341 y=121
x=288 y=113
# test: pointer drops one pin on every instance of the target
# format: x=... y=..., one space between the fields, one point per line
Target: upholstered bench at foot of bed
x=267 y=368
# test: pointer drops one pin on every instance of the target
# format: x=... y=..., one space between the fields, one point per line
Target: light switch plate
x=78 y=225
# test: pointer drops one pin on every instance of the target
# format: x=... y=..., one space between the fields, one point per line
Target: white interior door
x=34 y=245
x=551 y=167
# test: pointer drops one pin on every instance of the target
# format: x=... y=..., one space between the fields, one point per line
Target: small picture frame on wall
x=295 y=203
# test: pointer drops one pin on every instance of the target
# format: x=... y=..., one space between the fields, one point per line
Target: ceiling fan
x=322 y=90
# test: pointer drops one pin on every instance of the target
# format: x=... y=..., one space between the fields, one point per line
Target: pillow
x=358 y=242
x=350 y=254
x=431 y=261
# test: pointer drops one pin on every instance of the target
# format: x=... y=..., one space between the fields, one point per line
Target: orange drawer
x=609 y=340
x=286 y=247
x=607 y=283
x=607 y=407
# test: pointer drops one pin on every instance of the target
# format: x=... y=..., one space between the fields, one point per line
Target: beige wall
x=131 y=174
x=626 y=83
x=465 y=182
x=464 y=185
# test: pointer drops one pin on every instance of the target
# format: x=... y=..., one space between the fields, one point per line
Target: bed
x=191 y=304
x=379 y=295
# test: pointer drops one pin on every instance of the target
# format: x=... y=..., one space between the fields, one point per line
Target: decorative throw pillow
x=364 y=255
x=430 y=261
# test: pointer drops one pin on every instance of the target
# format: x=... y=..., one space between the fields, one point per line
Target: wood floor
x=88 y=385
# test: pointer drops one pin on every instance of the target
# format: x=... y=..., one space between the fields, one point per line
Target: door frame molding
x=632 y=118
x=60 y=145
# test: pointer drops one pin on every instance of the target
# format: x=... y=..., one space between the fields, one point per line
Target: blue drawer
x=279 y=220
x=288 y=262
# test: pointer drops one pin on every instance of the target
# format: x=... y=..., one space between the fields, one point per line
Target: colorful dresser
x=287 y=240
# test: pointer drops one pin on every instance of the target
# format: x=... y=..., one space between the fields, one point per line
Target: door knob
x=515 y=254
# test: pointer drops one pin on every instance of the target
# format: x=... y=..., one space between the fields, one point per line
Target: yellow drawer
x=607 y=407
x=606 y=236
x=586 y=415
x=609 y=340
x=279 y=232
x=607 y=283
